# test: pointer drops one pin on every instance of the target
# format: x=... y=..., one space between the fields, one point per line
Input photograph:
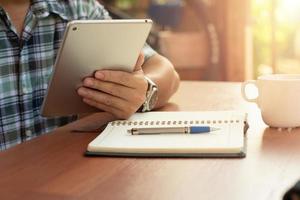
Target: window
x=276 y=36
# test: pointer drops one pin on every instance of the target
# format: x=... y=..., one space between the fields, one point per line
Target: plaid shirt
x=26 y=64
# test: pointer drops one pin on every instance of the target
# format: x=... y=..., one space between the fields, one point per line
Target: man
x=30 y=36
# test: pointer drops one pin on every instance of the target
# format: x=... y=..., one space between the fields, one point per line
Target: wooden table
x=53 y=166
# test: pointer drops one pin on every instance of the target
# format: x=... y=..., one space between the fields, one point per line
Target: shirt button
x=28 y=133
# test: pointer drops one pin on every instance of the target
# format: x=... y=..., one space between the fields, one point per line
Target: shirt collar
x=43 y=8
x=2 y=12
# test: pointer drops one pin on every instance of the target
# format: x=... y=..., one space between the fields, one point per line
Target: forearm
x=161 y=71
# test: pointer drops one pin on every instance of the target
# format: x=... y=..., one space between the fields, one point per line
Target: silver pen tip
x=214 y=129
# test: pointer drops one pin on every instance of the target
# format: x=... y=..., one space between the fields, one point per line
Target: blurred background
x=221 y=40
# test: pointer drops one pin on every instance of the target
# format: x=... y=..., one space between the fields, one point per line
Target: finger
x=110 y=88
x=101 y=106
x=140 y=62
x=102 y=98
x=119 y=77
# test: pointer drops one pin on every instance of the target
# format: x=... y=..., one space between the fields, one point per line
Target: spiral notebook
x=227 y=141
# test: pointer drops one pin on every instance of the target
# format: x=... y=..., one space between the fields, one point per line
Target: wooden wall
x=237 y=40
x=232 y=21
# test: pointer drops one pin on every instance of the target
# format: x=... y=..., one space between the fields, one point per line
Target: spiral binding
x=169 y=122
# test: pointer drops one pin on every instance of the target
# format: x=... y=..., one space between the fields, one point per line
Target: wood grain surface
x=53 y=166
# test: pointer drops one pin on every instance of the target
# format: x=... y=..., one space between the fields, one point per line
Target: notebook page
x=228 y=139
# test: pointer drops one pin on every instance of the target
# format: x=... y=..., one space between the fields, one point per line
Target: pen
x=172 y=130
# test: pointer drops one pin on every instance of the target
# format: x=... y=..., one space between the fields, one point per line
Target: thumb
x=139 y=62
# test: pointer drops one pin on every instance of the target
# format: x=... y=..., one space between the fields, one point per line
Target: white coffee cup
x=278 y=99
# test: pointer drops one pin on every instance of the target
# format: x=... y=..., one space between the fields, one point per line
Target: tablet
x=88 y=46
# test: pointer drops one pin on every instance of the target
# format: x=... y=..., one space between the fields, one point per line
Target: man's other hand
x=116 y=92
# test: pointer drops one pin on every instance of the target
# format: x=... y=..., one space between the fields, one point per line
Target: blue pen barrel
x=199 y=129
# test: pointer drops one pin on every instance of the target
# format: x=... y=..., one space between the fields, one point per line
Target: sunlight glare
x=289 y=9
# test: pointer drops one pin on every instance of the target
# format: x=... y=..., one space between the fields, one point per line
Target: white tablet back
x=89 y=46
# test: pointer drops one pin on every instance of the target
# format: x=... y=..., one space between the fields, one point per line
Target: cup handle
x=244 y=91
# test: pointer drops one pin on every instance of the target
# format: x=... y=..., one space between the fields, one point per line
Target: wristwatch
x=151 y=96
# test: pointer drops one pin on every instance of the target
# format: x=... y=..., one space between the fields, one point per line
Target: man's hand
x=116 y=92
